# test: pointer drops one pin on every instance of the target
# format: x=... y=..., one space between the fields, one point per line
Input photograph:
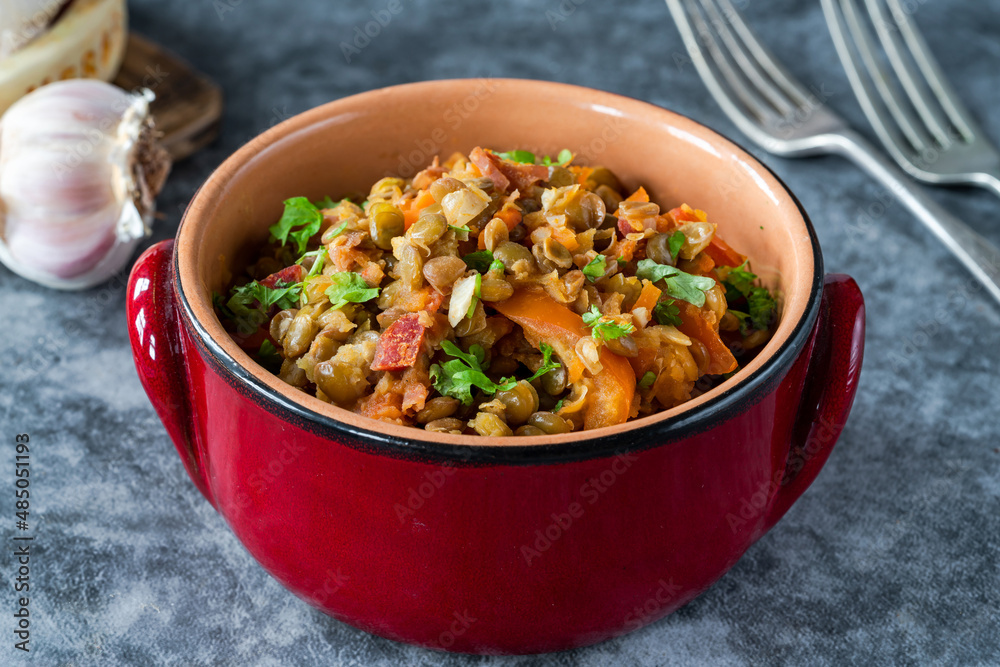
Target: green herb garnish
x=558 y=405
x=480 y=260
x=327 y=202
x=604 y=330
x=680 y=285
x=301 y=220
x=524 y=157
x=675 y=243
x=497 y=266
x=565 y=155
x=462 y=233
x=349 y=287
x=456 y=377
x=648 y=378
x=251 y=303
x=666 y=313
x=761 y=306
x=317 y=264
x=268 y=357
x=595 y=268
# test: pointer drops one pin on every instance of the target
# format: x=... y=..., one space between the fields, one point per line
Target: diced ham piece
x=487 y=164
x=521 y=175
x=400 y=345
x=288 y=276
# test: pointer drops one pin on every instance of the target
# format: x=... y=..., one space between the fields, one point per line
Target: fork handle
x=979 y=256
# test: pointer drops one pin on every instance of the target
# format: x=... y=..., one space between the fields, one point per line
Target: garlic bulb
x=22 y=20
x=79 y=171
x=86 y=40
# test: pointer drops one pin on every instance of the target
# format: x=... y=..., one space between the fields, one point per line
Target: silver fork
x=783 y=117
x=922 y=123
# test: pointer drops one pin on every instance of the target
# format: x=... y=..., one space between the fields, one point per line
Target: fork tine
x=936 y=121
x=957 y=113
x=750 y=67
x=736 y=97
x=776 y=70
x=887 y=89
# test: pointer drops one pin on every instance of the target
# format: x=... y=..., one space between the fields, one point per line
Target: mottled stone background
x=890 y=557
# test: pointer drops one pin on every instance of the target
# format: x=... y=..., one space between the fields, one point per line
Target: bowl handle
x=828 y=391
x=158 y=350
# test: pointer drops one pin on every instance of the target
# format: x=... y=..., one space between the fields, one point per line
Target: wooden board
x=188 y=105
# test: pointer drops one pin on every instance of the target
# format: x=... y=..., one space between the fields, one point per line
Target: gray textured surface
x=890 y=557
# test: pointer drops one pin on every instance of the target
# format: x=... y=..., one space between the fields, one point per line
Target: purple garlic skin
x=79 y=172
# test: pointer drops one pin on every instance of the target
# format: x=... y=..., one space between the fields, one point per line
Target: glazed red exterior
x=461 y=552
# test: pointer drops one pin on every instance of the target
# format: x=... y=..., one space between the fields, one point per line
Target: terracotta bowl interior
x=345 y=146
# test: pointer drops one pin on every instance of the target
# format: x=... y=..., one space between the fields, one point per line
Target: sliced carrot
x=543 y=320
x=415 y=206
x=699 y=323
x=565 y=236
x=639 y=195
x=685 y=213
x=723 y=254
x=582 y=174
x=648 y=297
x=510 y=215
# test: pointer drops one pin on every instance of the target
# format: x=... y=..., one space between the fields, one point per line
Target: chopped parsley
x=527 y=157
x=338 y=230
x=675 y=243
x=251 y=303
x=481 y=260
x=760 y=305
x=327 y=202
x=558 y=405
x=595 y=268
x=565 y=157
x=300 y=221
x=497 y=266
x=461 y=233
x=666 y=313
x=317 y=264
x=604 y=330
x=268 y=357
x=680 y=285
x=648 y=378
x=524 y=157
x=456 y=377
x=349 y=287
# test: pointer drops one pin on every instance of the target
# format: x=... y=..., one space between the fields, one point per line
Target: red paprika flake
x=400 y=345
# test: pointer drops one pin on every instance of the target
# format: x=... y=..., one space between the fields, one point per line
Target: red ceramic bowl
x=481 y=545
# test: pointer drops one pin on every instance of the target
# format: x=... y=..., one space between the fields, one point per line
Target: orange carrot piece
x=510 y=216
x=648 y=297
x=696 y=323
x=723 y=254
x=416 y=205
x=546 y=321
x=639 y=195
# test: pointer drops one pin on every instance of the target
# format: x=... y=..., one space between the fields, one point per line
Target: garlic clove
x=79 y=171
x=22 y=20
x=86 y=40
